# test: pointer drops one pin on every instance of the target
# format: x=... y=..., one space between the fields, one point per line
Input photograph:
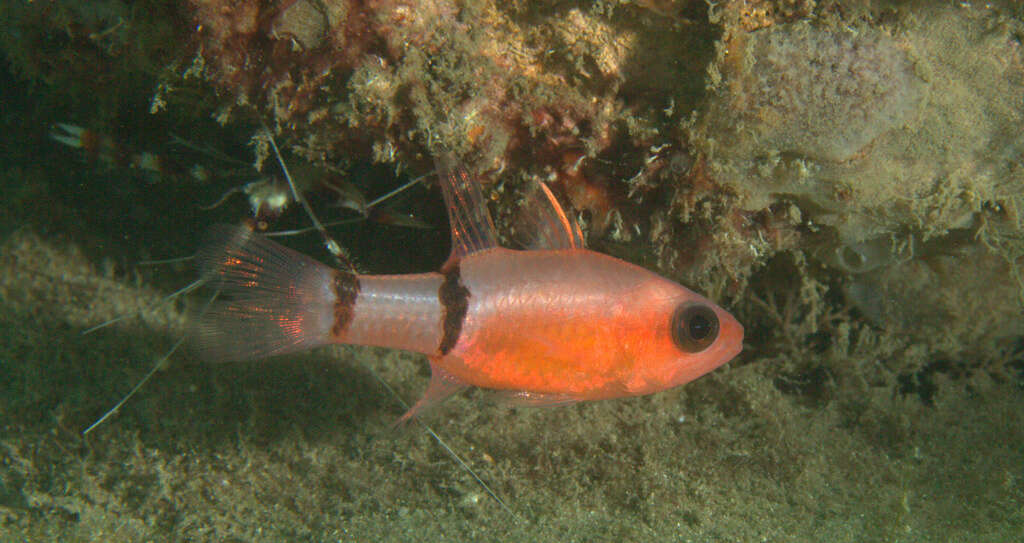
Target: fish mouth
x=730 y=337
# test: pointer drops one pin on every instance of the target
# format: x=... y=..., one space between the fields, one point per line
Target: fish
x=554 y=323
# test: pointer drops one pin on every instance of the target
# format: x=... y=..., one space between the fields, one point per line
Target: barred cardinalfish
x=553 y=324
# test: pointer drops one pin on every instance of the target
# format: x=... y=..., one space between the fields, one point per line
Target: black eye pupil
x=694 y=327
x=700 y=327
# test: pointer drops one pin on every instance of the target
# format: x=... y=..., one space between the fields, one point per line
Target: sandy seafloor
x=299 y=448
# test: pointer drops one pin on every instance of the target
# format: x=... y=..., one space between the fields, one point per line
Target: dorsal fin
x=471 y=225
x=543 y=225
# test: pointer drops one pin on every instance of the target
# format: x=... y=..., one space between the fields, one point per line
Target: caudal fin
x=272 y=300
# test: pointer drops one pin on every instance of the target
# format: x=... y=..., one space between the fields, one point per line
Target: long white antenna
x=332 y=246
x=441 y=442
x=184 y=290
x=156 y=367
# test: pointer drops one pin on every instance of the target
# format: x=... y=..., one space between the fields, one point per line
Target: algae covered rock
x=822 y=93
x=870 y=129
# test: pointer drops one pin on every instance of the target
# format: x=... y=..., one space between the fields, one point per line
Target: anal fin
x=442 y=385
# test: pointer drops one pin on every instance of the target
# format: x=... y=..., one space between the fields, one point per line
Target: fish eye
x=694 y=327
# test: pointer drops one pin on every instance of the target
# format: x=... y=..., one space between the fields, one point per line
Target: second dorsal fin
x=543 y=225
x=470 y=222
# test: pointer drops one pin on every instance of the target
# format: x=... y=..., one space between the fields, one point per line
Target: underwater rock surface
x=818 y=92
x=871 y=131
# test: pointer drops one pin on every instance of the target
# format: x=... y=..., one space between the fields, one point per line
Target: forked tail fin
x=272 y=300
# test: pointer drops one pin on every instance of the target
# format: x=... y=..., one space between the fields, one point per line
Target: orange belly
x=570 y=322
